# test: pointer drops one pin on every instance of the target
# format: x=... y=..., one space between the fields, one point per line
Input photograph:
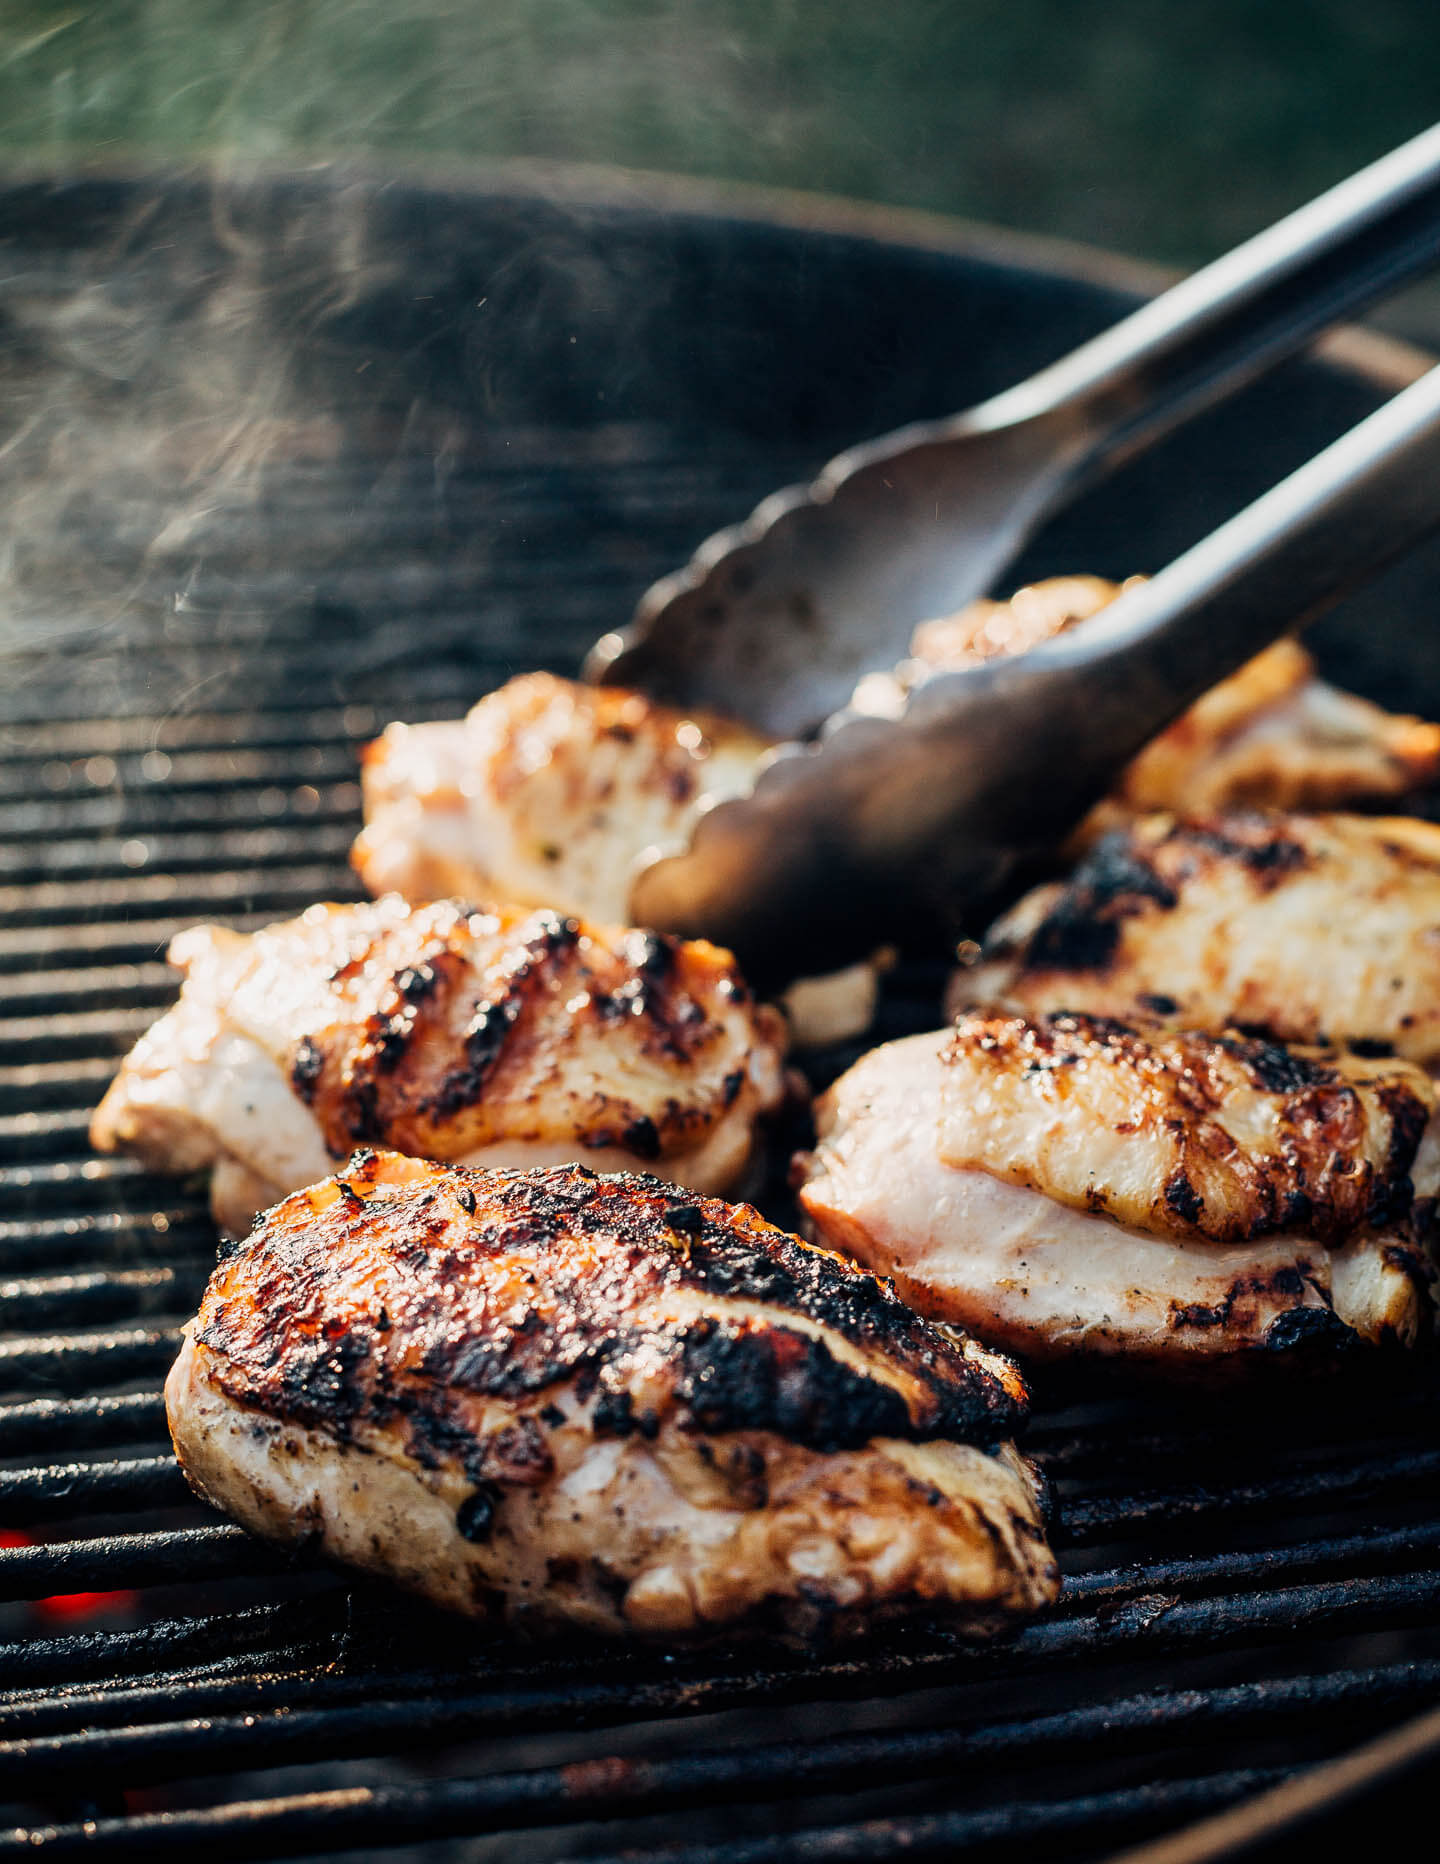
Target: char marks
x=1308 y=929
x=1224 y=1137
x=563 y=1288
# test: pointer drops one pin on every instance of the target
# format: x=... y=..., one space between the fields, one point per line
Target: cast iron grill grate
x=195 y=646
x=1244 y=1592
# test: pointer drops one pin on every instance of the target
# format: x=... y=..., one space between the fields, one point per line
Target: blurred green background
x=1167 y=131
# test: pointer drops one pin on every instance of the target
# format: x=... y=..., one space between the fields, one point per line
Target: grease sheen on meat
x=552 y=1397
x=1308 y=928
x=1061 y=1185
x=1222 y=1137
x=497 y=1037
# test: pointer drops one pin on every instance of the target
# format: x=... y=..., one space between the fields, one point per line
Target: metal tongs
x=880 y=824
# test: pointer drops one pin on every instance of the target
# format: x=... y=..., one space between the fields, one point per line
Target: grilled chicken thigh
x=550 y=1397
x=555 y=794
x=499 y=1037
x=1310 y=928
x=1065 y=1183
x=547 y=793
x=1272 y=736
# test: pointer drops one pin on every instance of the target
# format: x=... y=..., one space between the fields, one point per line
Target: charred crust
x=401 y=1308
x=1197 y=1315
x=642 y=1137
x=1251 y=841
x=1338 y=1147
x=1157 y=1004
x=1129 y=873
x=1182 y=1198
x=732 y=1379
x=1308 y=1329
x=475 y=1517
x=517 y=1454
x=651 y=953
x=448 y=1009
x=416 y=982
x=1082 y=929
x=1276 y=1069
x=305 y=1069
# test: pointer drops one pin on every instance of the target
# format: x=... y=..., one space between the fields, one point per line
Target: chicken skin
x=547 y=793
x=1308 y=928
x=1066 y=1184
x=552 y=1398
x=555 y=794
x=498 y=1037
x=1273 y=735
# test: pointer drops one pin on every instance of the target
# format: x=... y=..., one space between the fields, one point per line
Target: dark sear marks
x=1123 y=875
x=607 y=1292
x=450 y=1028
x=1225 y=1137
x=1313 y=929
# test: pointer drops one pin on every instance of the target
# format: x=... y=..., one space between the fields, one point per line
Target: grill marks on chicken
x=1222 y=1137
x=568 y=1397
x=1063 y=1185
x=1308 y=928
x=499 y=1036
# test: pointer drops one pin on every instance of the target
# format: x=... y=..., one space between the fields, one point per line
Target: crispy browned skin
x=447 y=1021
x=491 y=1037
x=1223 y=1137
x=547 y=792
x=1061 y=1186
x=403 y=1292
x=1305 y=928
x=570 y=1400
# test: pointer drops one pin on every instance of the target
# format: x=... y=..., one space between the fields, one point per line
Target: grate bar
x=275 y=1647
x=555 y=1696
x=27 y=1135
x=178 y=1234
x=1404 y=1472
x=64 y=1490
x=77 y=1082
x=113 y=1562
x=313 y=1822
x=80 y=1423
x=1132 y=1725
x=144 y=984
x=283 y=889
x=176 y=852
x=109 y=1294
x=26 y=949
x=98 y=1564
x=215 y=812
x=83 y=1360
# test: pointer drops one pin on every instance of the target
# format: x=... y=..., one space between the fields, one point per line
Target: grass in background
x=1169 y=131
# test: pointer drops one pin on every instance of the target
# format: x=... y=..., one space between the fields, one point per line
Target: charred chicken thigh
x=1310 y=928
x=554 y=1398
x=1067 y=1183
x=495 y=1037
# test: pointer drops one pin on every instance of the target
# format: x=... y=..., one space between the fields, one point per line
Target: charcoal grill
x=285 y=457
